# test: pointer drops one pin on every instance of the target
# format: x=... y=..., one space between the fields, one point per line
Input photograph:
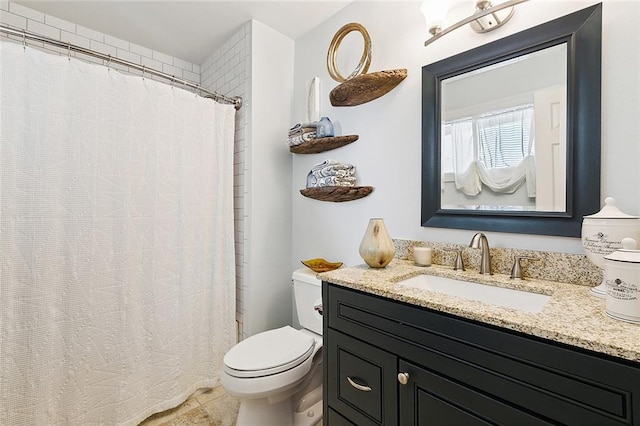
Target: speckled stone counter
x=572 y=316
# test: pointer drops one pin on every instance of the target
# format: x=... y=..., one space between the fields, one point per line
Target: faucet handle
x=516 y=270
x=459 y=264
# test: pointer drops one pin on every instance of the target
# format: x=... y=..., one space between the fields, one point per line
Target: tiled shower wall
x=226 y=72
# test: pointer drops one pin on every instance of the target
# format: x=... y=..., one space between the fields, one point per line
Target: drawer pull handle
x=362 y=388
x=403 y=378
x=318 y=309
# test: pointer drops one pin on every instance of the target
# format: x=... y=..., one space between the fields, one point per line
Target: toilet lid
x=269 y=352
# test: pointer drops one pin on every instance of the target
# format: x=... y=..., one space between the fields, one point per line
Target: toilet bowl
x=277 y=374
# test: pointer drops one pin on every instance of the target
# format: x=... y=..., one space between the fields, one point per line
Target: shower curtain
x=116 y=233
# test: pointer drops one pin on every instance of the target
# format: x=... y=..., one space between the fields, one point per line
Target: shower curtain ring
x=24 y=39
x=69 y=51
x=143 y=72
x=109 y=63
x=173 y=80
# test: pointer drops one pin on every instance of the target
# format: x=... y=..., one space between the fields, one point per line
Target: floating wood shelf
x=337 y=194
x=322 y=144
x=366 y=87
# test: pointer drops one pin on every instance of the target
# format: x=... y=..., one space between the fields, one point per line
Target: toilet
x=277 y=374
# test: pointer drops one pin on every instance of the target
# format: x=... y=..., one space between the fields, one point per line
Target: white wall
x=387 y=155
x=267 y=202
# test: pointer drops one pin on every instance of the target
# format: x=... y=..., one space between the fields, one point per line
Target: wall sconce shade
x=486 y=17
x=434 y=11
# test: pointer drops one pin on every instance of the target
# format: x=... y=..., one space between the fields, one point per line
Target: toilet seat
x=267 y=353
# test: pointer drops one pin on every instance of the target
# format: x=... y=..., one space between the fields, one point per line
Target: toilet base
x=309 y=417
x=261 y=412
x=265 y=412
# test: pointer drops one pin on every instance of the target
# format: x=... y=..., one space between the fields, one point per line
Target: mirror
x=500 y=134
x=511 y=131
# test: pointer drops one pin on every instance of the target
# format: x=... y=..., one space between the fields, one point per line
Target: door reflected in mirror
x=503 y=135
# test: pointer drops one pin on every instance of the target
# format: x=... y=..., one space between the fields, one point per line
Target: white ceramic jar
x=622 y=280
x=602 y=234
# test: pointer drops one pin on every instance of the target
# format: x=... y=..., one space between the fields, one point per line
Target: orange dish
x=321 y=265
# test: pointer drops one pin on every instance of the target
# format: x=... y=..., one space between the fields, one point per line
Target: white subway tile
x=4 y=5
x=151 y=63
x=42 y=29
x=171 y=70
x=128 y=56
x=196 y=69
x=164 y=58
x=89 y=33
x=75 y=39
x=60 y=23
x=206 y=84
x=238 y=158
x=13 y=20
x=103 y=48
x=116 y=42
x=235 y=38
x=187 y=66
x=191 y=76
x=141 y=50
x=26 y=12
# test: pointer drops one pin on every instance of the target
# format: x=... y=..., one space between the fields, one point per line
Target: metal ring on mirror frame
x=365 y=59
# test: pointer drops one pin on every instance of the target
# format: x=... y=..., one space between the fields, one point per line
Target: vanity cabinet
x=460 y=372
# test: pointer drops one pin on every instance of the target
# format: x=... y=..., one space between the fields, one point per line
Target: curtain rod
x=26 y=35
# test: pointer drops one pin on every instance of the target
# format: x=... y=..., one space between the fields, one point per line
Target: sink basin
x=506 y=297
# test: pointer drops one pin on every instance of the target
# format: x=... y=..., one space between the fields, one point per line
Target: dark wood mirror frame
x=582 y=31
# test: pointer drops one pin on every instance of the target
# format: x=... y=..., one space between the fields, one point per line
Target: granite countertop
x=572 y=316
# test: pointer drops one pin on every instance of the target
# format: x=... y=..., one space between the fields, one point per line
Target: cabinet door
x=334 y=419
x=362 y=381
x=430 y=398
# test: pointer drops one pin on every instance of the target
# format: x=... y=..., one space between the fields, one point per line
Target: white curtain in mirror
x=494 y=149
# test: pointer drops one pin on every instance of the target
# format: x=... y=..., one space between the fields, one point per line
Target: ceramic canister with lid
x=622 y=280
x=602 y=234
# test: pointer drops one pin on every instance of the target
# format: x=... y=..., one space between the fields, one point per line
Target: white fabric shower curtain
x=116 y=230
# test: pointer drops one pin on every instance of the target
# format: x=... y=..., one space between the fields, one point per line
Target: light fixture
x=486 y=17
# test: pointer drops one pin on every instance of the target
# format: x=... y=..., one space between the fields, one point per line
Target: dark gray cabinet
x=460 y=372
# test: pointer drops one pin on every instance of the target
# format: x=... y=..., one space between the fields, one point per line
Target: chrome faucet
x=480 y=241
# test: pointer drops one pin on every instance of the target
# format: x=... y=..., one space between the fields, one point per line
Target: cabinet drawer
x=362 y=381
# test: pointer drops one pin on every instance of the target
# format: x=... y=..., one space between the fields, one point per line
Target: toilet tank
x=308 y=294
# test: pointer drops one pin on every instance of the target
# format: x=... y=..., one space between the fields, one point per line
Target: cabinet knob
x=403 y=378
x=358 y=386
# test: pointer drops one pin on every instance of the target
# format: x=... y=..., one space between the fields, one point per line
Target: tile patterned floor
x=206 y=407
